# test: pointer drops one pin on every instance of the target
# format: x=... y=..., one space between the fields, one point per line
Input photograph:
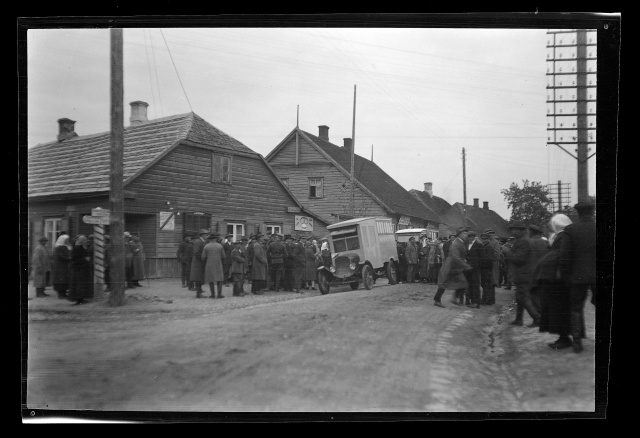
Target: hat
x=127 y=234
x=228 y=235
x=244 y=239
x=287 y=236
x=485 y=235
x=472 y=233
x=489 y=231
x=257 y=236
x=237 y=242
x=517 y=224
x=511 y=238
x=203 y=231
x=535 y=229
x=584 y=207
x=43 y=239
x=325 y=238
x=459 y=231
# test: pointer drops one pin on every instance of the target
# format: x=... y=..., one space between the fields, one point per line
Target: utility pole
x=464 y=186
x=116 y=198
x=571 y=85
x=353 y=147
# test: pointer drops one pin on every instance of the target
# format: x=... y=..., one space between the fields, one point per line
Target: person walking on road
x=475 y=255
x=238 y=268
x=452 y=273
x=213 y=255
x=520 y=256
x=40 y=267
x=196 y=275
x=578 y=265
x=553 y=290
x=61 y=267
x=411 y=258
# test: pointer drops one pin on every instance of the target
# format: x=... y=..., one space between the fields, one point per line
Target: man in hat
x=448 y=243
x=259 y=266
x=539 y=247
x=519 y=256
x=578 y=266
x=213 y=256
x=475 y=256
x=128 y=260
x=184 y=256
x=40 y=267
x=238 y=268
x=289 y=265
x=486 y=270
x=452 y=272
x=276 y=253
x=227 y=245
x=497 y=254
x=196 y=275
x=411 y=258
x=299 y=263
x=249 y=248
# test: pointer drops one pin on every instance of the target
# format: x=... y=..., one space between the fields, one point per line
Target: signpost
x=99 y=217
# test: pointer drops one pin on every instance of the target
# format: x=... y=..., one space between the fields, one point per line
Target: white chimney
x=138 y=112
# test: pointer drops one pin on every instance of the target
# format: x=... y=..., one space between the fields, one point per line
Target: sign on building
x=303 y=223
x=170 y=224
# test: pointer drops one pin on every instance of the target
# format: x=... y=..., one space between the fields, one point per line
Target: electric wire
x=174 y=67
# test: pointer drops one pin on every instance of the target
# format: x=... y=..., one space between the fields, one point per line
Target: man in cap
x=184 y=256
x=196 y=275
x=289 y=265
x=452 y=272
x=486 y=270
x=227 y=245
x=539 y=247
x=213 y=256
x=276 y=253
x=238 y=268
x=578 y=265
x=40 y=267
x=519 y=255
x=259 y=266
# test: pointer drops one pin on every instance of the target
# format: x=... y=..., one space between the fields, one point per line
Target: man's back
x=579 y=253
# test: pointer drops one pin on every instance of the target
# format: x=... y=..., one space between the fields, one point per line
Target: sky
x=421 y=95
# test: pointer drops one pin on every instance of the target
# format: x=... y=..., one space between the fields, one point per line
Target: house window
x=52 y=229
x=273 y=229
x=236 y=229
x=221 y=168
x=194 y=222
x=285 y=181
x=315 y=187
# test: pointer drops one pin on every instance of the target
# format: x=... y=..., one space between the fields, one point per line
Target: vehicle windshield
x=345 y=240
x=404 y=238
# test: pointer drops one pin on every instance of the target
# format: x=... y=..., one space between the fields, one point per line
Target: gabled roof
x=481 y=218
x=434 y=203
x=81 y=164
x=376 y=180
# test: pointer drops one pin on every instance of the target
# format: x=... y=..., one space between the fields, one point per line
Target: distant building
x=318 y=173
x=181 y=174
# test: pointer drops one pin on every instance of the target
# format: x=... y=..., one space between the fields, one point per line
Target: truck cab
x=362 y=249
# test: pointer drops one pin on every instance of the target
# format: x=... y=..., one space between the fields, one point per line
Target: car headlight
x=332 y=269
x=352 y=266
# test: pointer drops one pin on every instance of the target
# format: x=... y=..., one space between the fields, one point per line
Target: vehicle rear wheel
x=323 y=283
x=391 y=273
x=367 y=277
x=354 y=285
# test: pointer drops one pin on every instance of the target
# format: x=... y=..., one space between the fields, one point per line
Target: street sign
x=96 y=220
x=293 y=209
x=99 y=212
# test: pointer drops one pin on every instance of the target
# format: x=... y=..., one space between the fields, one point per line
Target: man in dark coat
x=41 y=267
x=486 y=270
x=213 y=256
x=401 y=268
x=451 y=275
x=259 y=266
x=252 y=241
x=226 y=262
x=276 y=253
x=519 y=256
x=539 y=247
x=238 y=268
x=184 y=256
x=578 y=267
x=288 y=282
x=446 y=245
x=196 y=274
x=475 y=255
x=299 y=263
x=411 y=259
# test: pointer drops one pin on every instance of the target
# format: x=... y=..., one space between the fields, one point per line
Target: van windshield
x=403 y=238
x=345 y=241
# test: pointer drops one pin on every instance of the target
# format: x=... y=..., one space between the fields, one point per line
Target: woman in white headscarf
x=554 y=291
x=62 y=265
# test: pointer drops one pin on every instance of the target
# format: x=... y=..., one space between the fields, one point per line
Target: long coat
x=310 y=271
x=451 y=274
x=61 y=269
x=519 y=259
x=497 y=254
x=138 y=261
x=197 y=267
x=81 y=279
x=259 y=265
x=213 y=255
x=579 y=254
x=424 y=260
x=40 y=265
x=411 y=254
x=238 y=261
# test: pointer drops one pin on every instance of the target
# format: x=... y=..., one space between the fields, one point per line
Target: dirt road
x=384 y=350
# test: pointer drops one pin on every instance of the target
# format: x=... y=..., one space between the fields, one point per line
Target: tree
x=529 y=203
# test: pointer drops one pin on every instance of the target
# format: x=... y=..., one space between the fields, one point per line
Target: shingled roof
x=479 y=219
x=81 y=164
x=434 y=203
x=377 y=181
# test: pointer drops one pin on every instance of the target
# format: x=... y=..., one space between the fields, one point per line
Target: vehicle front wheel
x=391 y=273
x=367 y=277
x=354 y=285
x=323 y=283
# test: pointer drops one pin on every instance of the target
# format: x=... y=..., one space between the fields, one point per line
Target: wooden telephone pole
x=464 y=187
x=353 y=147
x=116 y=198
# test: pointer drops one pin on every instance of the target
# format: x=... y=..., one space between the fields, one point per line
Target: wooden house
x=318 y=173
x=181 y=174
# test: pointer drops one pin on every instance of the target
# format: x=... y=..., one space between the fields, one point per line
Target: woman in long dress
x=554 y=292
x=81 y=281
x=62 y=266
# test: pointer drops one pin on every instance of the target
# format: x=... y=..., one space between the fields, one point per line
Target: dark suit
x=539 y=248
x=196 y=275
x=519 y=257
x=475 y=255
x=487 y=273
x=578 y=267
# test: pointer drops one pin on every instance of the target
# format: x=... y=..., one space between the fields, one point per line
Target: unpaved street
x=384 y=350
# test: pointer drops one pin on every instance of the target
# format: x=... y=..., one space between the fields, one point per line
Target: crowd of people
x=269 y=263
x=552 y=275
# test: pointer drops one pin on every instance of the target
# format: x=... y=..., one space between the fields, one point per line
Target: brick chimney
x=476 y=202
x=428 y=189
x=66 y=129
x=485 y=205
x=138 y=112
x=323 y=132
x=348 y=144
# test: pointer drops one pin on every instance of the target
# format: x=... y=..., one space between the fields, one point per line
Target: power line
x=174 y=67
